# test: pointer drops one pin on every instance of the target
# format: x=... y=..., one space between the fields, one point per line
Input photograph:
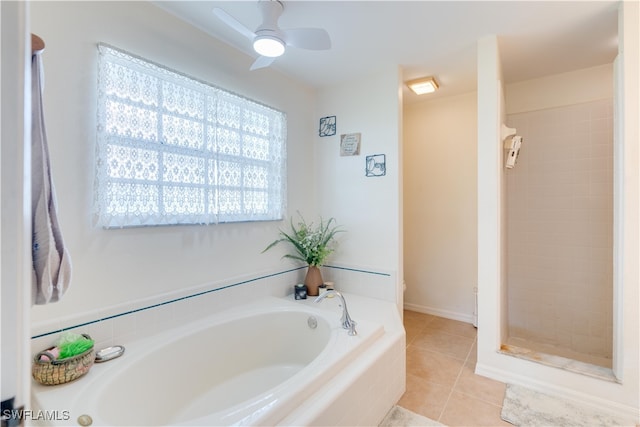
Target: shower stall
x=558 y=273
x=559 y=233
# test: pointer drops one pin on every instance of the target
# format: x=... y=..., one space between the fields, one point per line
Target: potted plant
x=311 y=245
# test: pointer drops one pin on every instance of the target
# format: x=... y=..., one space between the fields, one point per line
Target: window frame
x=236 y=161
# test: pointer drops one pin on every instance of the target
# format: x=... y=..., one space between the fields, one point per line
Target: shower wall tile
x=560 y=228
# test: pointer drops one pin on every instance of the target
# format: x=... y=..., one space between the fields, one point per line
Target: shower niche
x=559 y=209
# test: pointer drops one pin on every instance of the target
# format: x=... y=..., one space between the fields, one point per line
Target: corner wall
x=368 y=208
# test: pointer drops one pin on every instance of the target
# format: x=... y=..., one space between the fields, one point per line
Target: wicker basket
x=53 y=372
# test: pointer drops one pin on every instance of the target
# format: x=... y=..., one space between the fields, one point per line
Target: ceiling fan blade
x=262 y=62
x=308 y=38
x=233 y=23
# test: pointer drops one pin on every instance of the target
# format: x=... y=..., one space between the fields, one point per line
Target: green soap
x=74 y=348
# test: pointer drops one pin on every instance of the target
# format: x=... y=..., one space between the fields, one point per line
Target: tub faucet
x=347 y=322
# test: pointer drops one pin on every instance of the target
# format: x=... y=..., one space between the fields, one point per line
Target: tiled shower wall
x=560 y=229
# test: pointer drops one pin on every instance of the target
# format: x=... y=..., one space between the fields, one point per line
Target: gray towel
x=51 y=263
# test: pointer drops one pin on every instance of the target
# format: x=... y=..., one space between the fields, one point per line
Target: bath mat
x=528 y=408
x=400 y=417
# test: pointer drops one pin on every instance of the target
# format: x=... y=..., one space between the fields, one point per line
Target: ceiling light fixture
x=268 y=46
x=423 y=85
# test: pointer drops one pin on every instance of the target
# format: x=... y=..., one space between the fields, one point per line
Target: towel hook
x=37 y=44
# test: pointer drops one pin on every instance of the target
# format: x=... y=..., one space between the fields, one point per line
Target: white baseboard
x=462 y=317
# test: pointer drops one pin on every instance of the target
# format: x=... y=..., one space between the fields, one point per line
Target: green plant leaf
x=311 y=244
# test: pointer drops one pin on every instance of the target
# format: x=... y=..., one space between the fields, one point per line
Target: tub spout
x=347 y=323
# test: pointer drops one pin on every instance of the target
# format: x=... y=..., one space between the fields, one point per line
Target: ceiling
x=438 y=38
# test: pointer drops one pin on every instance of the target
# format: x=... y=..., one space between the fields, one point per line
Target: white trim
x=15 y=199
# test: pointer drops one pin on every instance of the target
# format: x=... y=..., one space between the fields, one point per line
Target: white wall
x=559 y=90
x=368 y=208
x=440 y=206
x=111 y=267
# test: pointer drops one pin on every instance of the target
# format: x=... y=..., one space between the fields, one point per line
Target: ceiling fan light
x=268 y=46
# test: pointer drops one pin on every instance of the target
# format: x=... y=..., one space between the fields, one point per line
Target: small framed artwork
x=350 y=144
x=376 y=165
x=327 y=126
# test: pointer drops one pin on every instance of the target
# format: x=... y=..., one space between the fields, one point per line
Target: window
x=174 y=150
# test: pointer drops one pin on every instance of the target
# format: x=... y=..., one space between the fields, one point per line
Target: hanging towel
x=51 y=273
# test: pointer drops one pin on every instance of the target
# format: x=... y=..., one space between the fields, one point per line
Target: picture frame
x=327 y=126
x=376 y=165
x=350 y=144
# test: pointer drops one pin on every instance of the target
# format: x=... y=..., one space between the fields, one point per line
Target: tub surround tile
x=203 y=300
x=154 y=320
x=183 y=311
x=150 y=315
x=362 y=280
x=124 y=329
x=40 y=344
x=41 y=328
x=102 y=333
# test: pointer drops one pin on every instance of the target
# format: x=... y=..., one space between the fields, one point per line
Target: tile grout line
x=421 y=327
x=446 y=403
x=426 y=326
x=466 y=359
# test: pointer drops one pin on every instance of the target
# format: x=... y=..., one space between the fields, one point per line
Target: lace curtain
x=175 y=150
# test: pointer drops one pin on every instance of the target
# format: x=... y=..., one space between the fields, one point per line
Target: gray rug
x=400 y=417
x=527 y=408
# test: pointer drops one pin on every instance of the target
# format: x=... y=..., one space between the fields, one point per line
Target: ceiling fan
x=269 y=40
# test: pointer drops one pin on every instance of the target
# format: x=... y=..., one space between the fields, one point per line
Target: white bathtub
x=251 y=365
